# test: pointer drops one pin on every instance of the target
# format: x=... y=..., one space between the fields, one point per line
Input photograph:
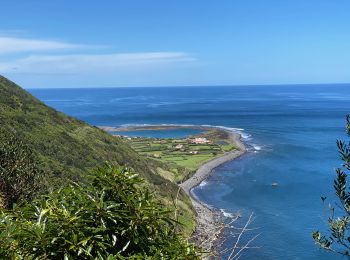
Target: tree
x=339 y=226
x=19 y=174
x=111 y=216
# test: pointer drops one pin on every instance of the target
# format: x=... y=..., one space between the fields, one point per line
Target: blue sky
x=174 y=43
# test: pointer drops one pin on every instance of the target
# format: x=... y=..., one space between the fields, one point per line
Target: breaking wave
x=246 y=137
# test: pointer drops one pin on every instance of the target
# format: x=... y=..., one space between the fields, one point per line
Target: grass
x=67 y=148
x=193 y=162
x=182 y=155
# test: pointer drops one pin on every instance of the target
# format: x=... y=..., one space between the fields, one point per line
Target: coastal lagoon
x=290 y=132
x=168 y=133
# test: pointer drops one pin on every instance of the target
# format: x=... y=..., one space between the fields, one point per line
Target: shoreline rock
x=209 y=220
x=209 y=225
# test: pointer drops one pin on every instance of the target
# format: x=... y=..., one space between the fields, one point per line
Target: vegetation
x=339 y=224
x=63 y=145
x=64 y=148
x=112 y=216
x=19 y=173
x=182 y=157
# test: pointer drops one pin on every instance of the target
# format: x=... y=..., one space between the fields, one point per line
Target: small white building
x=179 y=146
x=200 y=140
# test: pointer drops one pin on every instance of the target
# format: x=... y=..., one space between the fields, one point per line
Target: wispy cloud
x=52 y=64
x=59 y=63
x=10 y=45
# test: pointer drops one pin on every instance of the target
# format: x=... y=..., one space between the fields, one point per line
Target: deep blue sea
x=291 y=131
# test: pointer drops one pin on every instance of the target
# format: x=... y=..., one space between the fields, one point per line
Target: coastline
x=209 y=226
x=209 y=220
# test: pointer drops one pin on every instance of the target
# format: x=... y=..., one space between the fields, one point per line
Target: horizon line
x=197 y=86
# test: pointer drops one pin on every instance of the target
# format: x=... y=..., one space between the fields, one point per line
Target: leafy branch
x=338 y=240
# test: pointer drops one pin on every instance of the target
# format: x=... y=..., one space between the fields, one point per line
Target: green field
x=183 y=156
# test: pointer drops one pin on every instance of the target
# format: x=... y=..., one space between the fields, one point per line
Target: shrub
x=112 y=216
x=19 y=174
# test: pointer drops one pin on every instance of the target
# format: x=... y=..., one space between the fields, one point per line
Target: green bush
x=19 y=174
x=112 y=216
x=66 y=148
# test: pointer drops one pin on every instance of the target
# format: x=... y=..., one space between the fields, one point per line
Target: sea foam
x=227 y=214
x=256 y=147
x=244 y=135
x=202 y=184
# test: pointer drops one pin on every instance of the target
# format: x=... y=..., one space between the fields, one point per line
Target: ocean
x=290 y=131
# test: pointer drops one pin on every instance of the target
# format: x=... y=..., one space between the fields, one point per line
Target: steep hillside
x=63 y=143
x=67 y=147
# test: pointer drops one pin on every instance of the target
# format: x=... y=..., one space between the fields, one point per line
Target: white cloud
x=62 y=62
x=87 y=63
x=17 y=45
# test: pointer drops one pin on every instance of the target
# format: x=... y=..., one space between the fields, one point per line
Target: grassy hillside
x=67 y=148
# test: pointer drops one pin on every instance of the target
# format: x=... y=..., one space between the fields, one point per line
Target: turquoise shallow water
x=169 y=133
x=291 y=132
